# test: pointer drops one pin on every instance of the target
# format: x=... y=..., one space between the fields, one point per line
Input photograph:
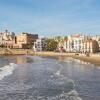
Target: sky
x=50 y=17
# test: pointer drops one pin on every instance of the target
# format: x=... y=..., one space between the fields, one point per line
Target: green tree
x=50 y=45
x=30 y=45
x=2 y=45
x=65 y=38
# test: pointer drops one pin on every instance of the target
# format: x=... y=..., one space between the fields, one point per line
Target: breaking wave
x=43 y=83
x=7 y=70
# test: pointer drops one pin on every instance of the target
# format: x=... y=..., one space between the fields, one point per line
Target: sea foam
x=7 y=70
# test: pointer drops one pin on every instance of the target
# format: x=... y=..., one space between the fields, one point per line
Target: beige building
x=78 y=44
x=97 y=38
x=25 y=40
x=91 y=46
x=7 y=39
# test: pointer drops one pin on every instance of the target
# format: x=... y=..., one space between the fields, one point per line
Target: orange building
x=24 y=40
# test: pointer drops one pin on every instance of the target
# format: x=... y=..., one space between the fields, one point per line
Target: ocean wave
x=72 y=95
x=48 y=84
x=81 y=62
x=7 y=70
x=57 y=87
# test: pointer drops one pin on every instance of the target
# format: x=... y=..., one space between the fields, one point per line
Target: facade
x=69 y=44
x=78 y=44
x=1 y=38
x=97 y=38
x=24 y=40
x=91 y=46
x=75 y=43
x=39 y=44
x=7 y=39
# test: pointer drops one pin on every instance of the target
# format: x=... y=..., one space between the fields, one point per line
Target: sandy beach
x=93 y=58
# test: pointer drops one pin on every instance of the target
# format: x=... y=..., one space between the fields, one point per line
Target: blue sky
x=50 y=17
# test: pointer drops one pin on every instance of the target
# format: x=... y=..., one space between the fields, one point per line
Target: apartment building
x=25 y=40
x=7 y=39
x=80 y=44
x=39 y=44
x=91 y=46
x=97 y=38
x=75 y=43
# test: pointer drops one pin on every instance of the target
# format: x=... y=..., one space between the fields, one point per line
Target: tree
x=30 y=45
x=2 y=45
x=50 y=45
x=65 y=38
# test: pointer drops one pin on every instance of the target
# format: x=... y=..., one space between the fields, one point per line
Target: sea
x=48 y=78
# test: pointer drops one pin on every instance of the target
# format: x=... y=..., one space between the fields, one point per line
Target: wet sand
x=93 y=58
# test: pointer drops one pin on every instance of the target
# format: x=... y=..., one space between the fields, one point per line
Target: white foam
x=7 y=70
x=81 y=62
x=72 y=95
x=58 y=73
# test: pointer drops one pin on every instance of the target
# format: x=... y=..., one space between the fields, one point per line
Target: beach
x=93 y=58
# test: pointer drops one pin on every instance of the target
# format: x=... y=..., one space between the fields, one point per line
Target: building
x=39 y=44
x=25 y=40
x=1 y=39
x=78 y=44
x=7 y=39
x=75 y=43
x=69 y=44
x=97 y=38
x=91 y=46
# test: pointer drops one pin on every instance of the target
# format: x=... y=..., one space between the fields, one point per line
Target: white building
x=75 y=43
x=69 y=44
x=39 y=44
x=7 y=38
x=1 y=38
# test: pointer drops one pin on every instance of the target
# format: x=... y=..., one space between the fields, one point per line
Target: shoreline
x=93 y=58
